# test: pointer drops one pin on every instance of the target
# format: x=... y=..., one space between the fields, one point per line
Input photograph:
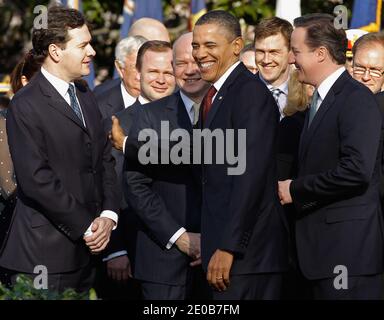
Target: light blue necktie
x=74 y=104
x=312 y=109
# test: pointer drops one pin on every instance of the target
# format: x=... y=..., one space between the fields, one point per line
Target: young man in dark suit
x=66 y=206
x=243 y=233
x=339 y=231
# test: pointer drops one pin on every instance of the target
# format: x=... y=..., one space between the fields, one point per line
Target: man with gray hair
x=124 y=93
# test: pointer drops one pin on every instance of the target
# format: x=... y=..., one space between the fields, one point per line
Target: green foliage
x=24 y=290
x=250 y=10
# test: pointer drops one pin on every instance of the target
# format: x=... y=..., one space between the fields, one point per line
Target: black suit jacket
x=242 y=213
x=104 y=87
x=122 y=236
x=164 y=198
x=65 y=178
x=380 y=100
x=110 y=101
x=337 y=189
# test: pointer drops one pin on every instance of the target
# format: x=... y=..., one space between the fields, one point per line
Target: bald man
x=150 y=29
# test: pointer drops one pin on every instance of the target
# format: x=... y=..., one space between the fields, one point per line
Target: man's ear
x=138 y=75
x=55 y=52
x=119 y=68
x=321 y=54
x=238 y=44
x=24 y=80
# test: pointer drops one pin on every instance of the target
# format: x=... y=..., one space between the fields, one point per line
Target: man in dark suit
x=166 y=197
x=339 y=231
x=368 y=68
x=243 y=233
x=154 y=58
x=271 y=42
x=66 y=206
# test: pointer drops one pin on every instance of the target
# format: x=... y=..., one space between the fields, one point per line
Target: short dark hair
x=322 y=32
x=60 y=20
x=273 y=26
x=373 y=38
x=153 y=45
x=27 y=67
x=224 y=19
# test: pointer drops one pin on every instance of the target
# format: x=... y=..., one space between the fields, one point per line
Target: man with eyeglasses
x=368 y=61
x=368 y=68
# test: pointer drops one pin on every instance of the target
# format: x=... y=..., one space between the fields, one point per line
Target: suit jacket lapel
x=177 y=114
x=56 y=101
x=115 y=100
x=222 y=92
x=308 y=133
x=87 y=108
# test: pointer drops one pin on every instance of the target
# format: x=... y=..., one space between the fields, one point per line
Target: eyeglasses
x=373 y=73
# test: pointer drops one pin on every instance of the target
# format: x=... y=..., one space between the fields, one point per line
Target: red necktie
x=207 y=101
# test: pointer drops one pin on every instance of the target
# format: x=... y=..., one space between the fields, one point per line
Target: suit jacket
x=110 y=101
x=164 y=198
x=242 y=213
x=121 y=237
x=102 y=88
x=380 y=100
x=65 y=178
x=337 y=189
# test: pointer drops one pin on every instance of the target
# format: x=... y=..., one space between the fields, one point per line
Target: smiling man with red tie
x=243 y=235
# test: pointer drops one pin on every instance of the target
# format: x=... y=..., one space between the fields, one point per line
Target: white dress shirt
x=61 y=87
x=188 y=104
x=127 y=98
x=219 y=83
x=327 y=84
x=283 y=97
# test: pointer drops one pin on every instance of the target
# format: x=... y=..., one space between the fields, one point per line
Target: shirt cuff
x=105 y=214
x=125 y=140
x=111 y=215
x=175 y=237
x=115 y=255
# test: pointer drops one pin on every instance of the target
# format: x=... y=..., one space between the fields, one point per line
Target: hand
x=189 y=243
x=284 y=193
x=219 y=268
x=101 y=228
x=117 y=135
x=119 y=268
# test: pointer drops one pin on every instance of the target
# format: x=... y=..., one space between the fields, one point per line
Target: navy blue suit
x=241 y=213
x=65 y=178
x=337 y=190
x=164 y=198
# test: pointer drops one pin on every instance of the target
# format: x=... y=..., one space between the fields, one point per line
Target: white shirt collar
x=127 y=98
x=142 y=100
x=283 y=87
x=188 y=103
x=326 y=85
x=60 y=85
x=219 y=83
